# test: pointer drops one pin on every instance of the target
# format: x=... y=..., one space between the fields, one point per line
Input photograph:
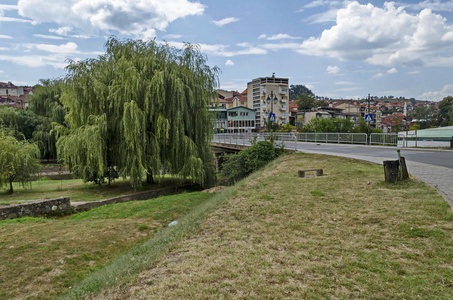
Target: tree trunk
x=149 y=176
x=11 y=187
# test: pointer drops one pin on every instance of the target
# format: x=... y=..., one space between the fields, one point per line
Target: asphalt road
x=431 y=157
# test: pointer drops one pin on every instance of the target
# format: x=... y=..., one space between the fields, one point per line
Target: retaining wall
x=38 y=208
x=62 y=205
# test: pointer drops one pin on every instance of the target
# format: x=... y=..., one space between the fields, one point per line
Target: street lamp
x=271 y=99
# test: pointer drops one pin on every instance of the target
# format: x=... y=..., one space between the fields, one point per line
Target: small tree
x=18 y=160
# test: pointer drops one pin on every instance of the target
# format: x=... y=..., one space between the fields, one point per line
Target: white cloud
x=333 y=70
x=5 y=36
x=280 y=36
x=123 y=16
x=413 y=72
x=65 y=30
x=447 y=90
x=324 y=17
x=50 y=37
x=435 y=5
x=35 y=61
x=224 y=50
x=387 y=36
x=8 y=19
x=4 y=7
x=225 y=21
x=172 y=36
x=68 y=48
x=229 y=63
x=392 y=71
x=378 y=75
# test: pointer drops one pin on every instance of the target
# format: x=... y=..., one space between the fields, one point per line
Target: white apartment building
x=269 y=96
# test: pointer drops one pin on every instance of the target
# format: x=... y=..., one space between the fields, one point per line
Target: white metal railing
x=384 y=139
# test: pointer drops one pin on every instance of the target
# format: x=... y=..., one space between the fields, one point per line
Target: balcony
x=283 y=90
x=283 y=100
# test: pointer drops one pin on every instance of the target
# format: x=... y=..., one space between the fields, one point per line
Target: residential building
x=13 y=95
x=233 y=120
x=269 y=96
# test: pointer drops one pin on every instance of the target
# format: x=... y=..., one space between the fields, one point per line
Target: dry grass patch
x=334 y=236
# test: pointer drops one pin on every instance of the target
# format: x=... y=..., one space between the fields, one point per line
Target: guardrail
x=336 y=138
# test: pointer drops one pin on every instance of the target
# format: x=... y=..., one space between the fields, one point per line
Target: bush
x=238 y=166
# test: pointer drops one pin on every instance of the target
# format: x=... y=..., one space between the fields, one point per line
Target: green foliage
x=139 y=109
x=425 y=116
x=377 y=130
x=445 y=113
x=329 y=125
x=20 y=122
x=47 y=108
x=305 y=102
x=18 y=160
x=239 y=166
x=287 y=128
x=362 y=127
x=297 y=90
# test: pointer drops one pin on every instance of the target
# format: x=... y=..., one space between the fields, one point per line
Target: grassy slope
x=41 y=258
x=335 y=236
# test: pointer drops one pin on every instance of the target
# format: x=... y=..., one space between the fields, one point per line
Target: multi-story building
x=237 y=119
x=269 y=98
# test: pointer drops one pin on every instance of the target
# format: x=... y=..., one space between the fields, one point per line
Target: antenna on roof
x=273 y=74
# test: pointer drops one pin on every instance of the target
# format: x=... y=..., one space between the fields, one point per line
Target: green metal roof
x=434 y=132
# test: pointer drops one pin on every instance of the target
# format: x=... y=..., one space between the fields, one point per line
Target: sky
x=338 y=49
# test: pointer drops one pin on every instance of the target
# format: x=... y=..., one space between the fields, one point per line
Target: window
x=233 y=114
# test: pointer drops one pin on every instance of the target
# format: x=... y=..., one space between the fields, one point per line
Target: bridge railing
x=337 y=138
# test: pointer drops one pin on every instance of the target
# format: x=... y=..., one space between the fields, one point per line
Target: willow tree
x=139 y=110
x=46 y=105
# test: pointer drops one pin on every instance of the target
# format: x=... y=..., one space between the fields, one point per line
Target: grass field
x=76 y=189
x=42 y=258
x=346 y=235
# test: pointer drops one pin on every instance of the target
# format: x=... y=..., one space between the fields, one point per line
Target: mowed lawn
x=75 y=189
x=346 y=235
x=42 y=258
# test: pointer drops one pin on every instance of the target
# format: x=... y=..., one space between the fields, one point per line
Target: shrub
x=238 y=166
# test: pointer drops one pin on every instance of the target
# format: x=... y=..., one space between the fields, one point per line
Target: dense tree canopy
x=18 y=159
x=297 y=90
x=139 y=109
x=328 y=125
x=445 y=113
x=47 y=107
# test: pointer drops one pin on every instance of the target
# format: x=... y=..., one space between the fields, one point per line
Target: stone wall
x=132 y=197
x=58 y=206
x=38 y=208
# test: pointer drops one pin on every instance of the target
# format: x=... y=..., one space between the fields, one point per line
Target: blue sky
x=339 y=49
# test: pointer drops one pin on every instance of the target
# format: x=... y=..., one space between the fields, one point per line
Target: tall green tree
x=18 y=160
x=445 y=113
x=48 y=109
x=139 y=109
x=425 y=116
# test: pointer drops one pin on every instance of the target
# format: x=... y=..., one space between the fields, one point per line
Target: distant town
x=274 y=99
